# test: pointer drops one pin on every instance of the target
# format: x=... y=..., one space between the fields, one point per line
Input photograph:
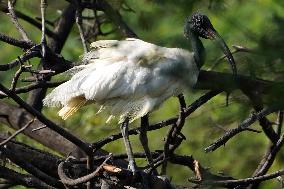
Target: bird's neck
x=198 y=49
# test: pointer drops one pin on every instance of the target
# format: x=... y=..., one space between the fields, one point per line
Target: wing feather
x=126 y=76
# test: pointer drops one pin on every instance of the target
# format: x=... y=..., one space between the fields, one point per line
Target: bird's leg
x=144 y=140
x=124 y=132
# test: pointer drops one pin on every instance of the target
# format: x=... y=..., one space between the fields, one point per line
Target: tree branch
x=247 y=181
x=242 y=127
x=83 y=145
x=15 y=42
x=23 y=179
x=116 y=18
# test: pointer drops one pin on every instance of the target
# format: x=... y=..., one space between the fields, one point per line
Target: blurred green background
x=255 y=24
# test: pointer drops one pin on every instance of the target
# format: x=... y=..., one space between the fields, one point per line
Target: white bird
x=133 y=77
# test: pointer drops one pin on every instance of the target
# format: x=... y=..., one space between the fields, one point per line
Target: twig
x=28 y=55
x=279 y=122
x=79 y=24
x=72 y=182
x=247 y=181
x=242 y=127
x=39 y=128
x=116 y=18
x=15 y=42
x=174 y=131
x=17 y=132
x=265 y=124
x=50 y=23
x=144 y=140
x=268 y=159
x=33 y=86
x=28 y=20
x=43 y=6
x=237 y=48
x=17 y=75
x=90 y=169
x=15 y=21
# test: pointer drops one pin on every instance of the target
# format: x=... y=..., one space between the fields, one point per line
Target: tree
x=67 y=160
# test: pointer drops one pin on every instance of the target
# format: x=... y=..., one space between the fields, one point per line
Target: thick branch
x=84 y=146
x=23 y=179
x=30 y=168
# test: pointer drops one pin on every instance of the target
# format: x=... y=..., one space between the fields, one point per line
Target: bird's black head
x=200 y=25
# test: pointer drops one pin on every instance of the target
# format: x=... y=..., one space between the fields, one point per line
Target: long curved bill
x=213 y=34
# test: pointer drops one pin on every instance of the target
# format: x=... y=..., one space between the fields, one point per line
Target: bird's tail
x=71 y=107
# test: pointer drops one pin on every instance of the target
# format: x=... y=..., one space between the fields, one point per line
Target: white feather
x=131 y=77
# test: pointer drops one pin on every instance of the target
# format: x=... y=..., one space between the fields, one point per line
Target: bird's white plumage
x=131 y=77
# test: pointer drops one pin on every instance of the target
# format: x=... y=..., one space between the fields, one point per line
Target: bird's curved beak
x=213 y=35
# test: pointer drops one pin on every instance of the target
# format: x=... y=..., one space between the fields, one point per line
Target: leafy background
x=256 y=24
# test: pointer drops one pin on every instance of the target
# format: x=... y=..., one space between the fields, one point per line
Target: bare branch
x=15 y=21
x=238 y=49
x=80 y=26
x=43 y=6
x=18 y=43
x=73 y=182
x=27 y=56
x=17 y=132
x=174 y=137
x=144 y=140
x=33 y=86
x=30 y=168
x=279 y=122
x=268 y=159
x=242 y=127
x=116 y=18
x=247 y=181
x=23 y=179
x=83 y=145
